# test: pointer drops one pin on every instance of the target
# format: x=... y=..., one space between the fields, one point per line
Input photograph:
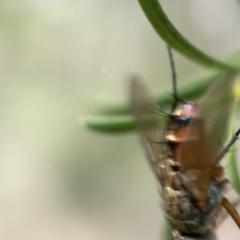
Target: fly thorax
x=189 y=109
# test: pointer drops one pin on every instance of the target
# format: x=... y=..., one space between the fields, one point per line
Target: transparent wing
x=150 y=125
x=216 y=107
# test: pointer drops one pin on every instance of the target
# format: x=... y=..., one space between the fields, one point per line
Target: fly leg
x=225 y=149
x=221 y=215
x=215 y=224
x=174 y=80
x=231 y=211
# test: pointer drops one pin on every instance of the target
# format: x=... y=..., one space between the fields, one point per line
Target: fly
x=185 y=153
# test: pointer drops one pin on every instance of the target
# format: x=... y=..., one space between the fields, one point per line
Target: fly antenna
x=174 y=78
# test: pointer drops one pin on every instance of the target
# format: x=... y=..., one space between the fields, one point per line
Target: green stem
x=232 y=171
x=167 y=231
x=190 y=90
x=109 y=124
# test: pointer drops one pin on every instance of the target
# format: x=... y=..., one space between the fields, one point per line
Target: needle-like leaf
x=167 y=31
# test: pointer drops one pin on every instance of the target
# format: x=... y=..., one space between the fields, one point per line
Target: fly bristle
x=164 y=113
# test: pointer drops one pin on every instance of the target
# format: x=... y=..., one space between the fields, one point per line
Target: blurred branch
x=109 y=124
x=166 y=30
x=232 y=156
x=167 y=234
x=190 y=90
x=232 y=171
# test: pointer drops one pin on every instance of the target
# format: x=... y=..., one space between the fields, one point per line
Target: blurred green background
x=58 y=179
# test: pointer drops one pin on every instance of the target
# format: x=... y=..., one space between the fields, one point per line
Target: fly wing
x=150 y=126
x=216 y=107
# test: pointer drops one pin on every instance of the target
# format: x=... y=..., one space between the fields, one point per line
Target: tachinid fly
x=185 y=152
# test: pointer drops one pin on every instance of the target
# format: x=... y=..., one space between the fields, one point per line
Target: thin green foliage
x=233 y=170
x=109 y=124
x=167 y=31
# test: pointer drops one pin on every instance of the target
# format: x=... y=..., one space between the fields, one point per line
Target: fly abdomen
x=184 y=216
